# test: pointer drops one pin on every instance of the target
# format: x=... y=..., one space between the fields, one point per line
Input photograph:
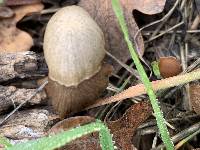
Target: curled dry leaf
x=103 y=14
x=13 y=39
x=122 y=129
x=195 y=97
x=169 y=66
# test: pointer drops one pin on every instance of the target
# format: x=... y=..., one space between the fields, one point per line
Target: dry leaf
x=169 y=66
x=13 y=39
x=195 y=97
x=69 y=123
x=122 y=129
x=102 y=12
x=89 y=142
x=148 y=6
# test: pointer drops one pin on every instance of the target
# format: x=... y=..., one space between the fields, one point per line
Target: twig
x=158 y=21
x=157 y=85
x=172 y=121
x=129 y=69
x=157 y=36
x=181 y=135
x=28 y=99
x=155 y=140
x=48 y=11
x=181 y=143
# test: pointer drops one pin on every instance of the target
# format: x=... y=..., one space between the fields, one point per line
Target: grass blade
x=158 y=113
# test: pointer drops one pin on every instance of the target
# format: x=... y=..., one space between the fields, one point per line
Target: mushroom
x=169 y=66
x=74 y=52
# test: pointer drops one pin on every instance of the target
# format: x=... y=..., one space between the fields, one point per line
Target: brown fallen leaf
x=122 y=129
x=89 y=142
x=102 y=12
x=69 y=123
x=132 y=118
x=195 y=97
x=148 y=6
x=13 y=39
x=169 y=66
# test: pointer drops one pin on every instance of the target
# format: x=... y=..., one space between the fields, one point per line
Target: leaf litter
x=169 y=43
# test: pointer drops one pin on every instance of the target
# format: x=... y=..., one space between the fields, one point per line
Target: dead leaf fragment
x=13 y=39
x=103 y=14
x=195 y=97
x=169 y=66
x=148 y=6
x=89 y=142
x=123 y=129
x=69 y=123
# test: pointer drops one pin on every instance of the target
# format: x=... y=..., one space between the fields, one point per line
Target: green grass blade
x=5 y=142
x=105 y=139
x=156 y=70
x=58 y=140
x=158 y=113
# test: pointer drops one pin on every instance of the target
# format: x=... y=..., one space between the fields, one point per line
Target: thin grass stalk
x=157 y=111
x=58 y=140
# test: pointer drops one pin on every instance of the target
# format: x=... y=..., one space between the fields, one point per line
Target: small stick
x=158 y=21
x=128 y=68
x=170 y=29
x=157 y=85
x=28 y=99
x=181 y=135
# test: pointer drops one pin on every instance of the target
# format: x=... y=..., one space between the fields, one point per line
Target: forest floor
x=165 y=33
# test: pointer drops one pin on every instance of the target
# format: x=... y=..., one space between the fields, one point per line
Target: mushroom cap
x=73 y=46
x=169 y=66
